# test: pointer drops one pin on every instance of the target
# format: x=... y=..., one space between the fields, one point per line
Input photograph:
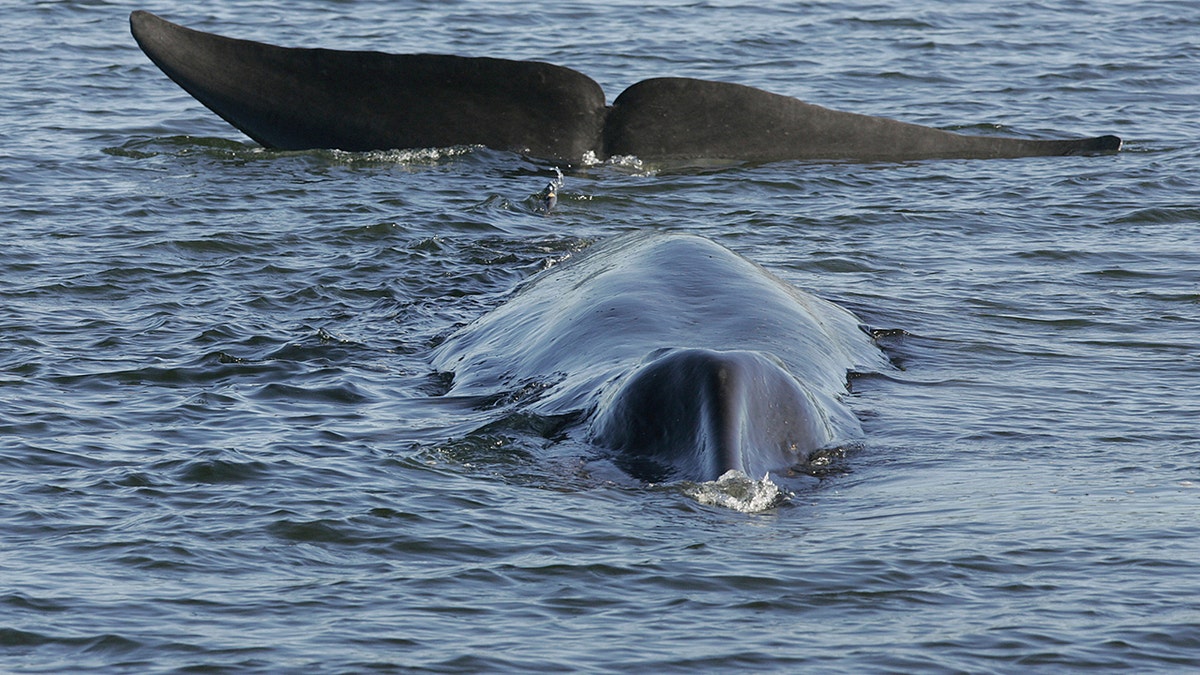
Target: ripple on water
x=223 y=448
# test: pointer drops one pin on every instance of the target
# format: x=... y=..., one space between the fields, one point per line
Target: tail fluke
x=294 y=99
x=679 y=118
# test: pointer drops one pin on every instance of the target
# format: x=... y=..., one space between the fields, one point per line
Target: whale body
x=299 y=99
x=684 y=359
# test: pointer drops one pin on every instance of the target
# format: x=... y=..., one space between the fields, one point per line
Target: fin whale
x=698 y=413
x=683 y=359
x=298 y=99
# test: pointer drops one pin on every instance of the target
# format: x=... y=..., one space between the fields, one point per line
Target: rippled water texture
x=222 y=447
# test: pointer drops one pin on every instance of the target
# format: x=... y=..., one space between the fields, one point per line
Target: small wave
x=222 y=148
x=218 y=471
x=1158 y=215
x=735 y=490
x=146 y=147
x=313 y=531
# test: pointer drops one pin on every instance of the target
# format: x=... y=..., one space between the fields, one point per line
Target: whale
x=291 y=98
x=680 y=359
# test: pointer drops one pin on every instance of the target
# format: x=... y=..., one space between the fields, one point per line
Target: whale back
x=581 y=332
x=627 y=297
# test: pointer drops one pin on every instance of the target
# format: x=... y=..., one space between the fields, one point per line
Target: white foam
x=735 y=490
x=403 y=156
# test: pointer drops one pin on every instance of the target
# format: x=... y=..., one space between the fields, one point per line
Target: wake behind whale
x=685 y=359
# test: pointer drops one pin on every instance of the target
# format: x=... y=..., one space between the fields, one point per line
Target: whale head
x=693 y=414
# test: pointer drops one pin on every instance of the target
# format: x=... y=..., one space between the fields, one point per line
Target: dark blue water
x=221 y=448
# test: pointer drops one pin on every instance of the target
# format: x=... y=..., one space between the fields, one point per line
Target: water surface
x=220 y=448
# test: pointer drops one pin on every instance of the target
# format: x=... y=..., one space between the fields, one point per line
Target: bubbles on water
x=406 y=156
x=630 y=164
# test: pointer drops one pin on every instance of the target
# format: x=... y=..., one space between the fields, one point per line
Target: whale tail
x=296 y=99
x=682 y=118
x=299 y=99
x=698 y=413
x=1092 y=146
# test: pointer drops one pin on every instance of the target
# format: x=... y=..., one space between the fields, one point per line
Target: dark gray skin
x=676 y=118
x=698 y=413
x=297 y=99
x=300 y=99
x=685 y=359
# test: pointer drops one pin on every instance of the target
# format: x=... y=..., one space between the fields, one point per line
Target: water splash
x=548 y=197
x=735 y=490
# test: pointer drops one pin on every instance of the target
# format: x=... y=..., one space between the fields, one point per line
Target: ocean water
x=222 y=449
